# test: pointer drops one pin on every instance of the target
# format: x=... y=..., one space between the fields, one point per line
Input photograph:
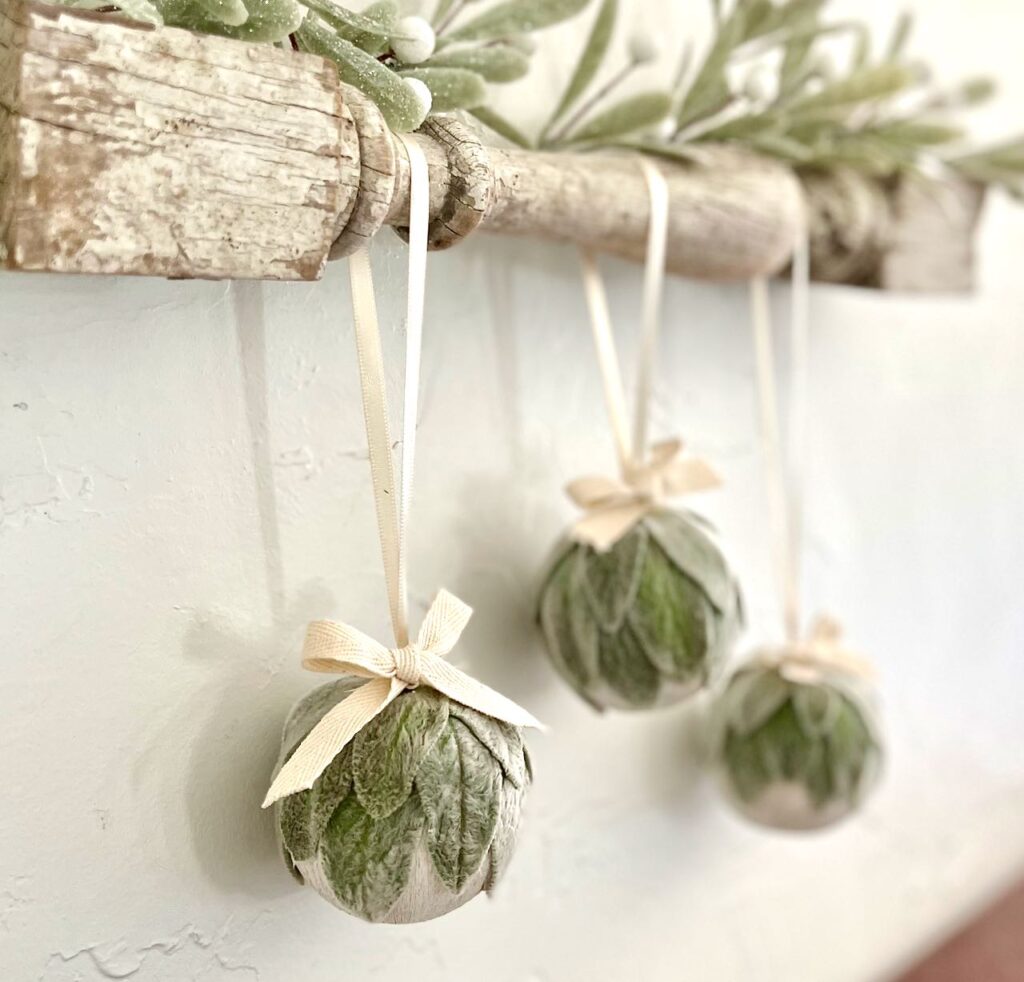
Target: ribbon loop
x=821 y=651
x=407 y=665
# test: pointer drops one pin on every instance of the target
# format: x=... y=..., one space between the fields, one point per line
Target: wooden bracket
x=130 y=150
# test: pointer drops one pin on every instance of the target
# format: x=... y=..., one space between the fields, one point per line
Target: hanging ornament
x=638 y=607
x=796 y=736
x=399 y=787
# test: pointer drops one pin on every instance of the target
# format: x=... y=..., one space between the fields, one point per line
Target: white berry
x=423 y=97
x=413 y=40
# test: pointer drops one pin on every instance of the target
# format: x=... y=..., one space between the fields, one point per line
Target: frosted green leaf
x=862 y=86
x=452 y=88
x=231 y=12
x=611 y=579
x=304 y=816
x=388 y=752
x=501 y=126
x=518 y=17
x=505 y=831
x=459 y=787
x=692 y=550
x=590 y=61
x=139 y=10
x=268 y=20
x=627 y=669
x=396 y=100
x=494 y=63
x=368 y=33
x=635 y=113
x=571 y=632
x=366 y=860
x=504 y=742
x=672 y=617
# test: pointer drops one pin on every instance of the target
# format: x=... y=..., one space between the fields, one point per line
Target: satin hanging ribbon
x=342 y=649
x=613 y=506
x=805 y=657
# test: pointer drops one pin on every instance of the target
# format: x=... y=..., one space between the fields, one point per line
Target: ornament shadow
x=254 y=678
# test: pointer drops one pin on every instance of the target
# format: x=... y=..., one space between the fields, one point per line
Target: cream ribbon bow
x=822 y=651
x=340 y=649
x=613 y=507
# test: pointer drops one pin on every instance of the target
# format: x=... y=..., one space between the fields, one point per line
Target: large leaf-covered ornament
x=415 y=817
x=797 y=744
x=646 y=622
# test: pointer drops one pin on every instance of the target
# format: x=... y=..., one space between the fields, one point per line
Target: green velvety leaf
x=571 y=633
x=754 y=696
x=864 y=85
x=371 y=34
x=672 y=618
x=494 y=63
x=817 y=707
x=268 y=20
x=367 y=861
x=396 y=100
x=626 y=668
x=452 y=88
x=459 y=787
x=610 y=580
x=141 y=10
x=504 y=842
x=693 y=552
x=388 y=752
x=594 y=52
x=634 y=113
x=851 y=748
x=518 y=17
x=302 y=817
x=501 y=126
x=504 y=741
x=231 y=12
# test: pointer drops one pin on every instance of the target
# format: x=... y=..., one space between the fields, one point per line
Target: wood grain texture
x=163 y=153
x=125 y=149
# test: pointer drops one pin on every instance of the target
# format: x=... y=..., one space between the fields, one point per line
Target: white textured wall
x=183 y=485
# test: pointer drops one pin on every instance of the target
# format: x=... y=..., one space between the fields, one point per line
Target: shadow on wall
x=235 y=723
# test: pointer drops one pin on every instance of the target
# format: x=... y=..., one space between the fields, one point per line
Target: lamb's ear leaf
x=366 y=860
x=459 y=789
x=451 y=88
x=764 y=692
x=673 y=618
x=517 y=17
x=504 y=741
x=302 y=817
x=569 y=629
x=396 y=100
x=590 y=61
x=388 y=752
x=635 y=113
x=693 y=552
x=610 y=579
x=816 y=707
x=493 y=63
x=504 y=842
x=627 y=669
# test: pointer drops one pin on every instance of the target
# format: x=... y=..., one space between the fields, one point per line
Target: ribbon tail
x=602 y=529
x=445 y=621
x=455 y=684
x=330 y=736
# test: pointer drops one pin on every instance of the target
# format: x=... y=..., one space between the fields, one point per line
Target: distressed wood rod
x=130 y=150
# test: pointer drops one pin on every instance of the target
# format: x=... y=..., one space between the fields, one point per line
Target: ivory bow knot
x=340 y=649
x=613 y=506
x=820 y=652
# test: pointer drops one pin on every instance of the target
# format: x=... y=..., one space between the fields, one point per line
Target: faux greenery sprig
x=409 y=66
x=769 y=80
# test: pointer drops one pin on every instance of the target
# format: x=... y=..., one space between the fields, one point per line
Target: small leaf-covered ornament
x=415 y=817
x=647 y=622
x=796 y=738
